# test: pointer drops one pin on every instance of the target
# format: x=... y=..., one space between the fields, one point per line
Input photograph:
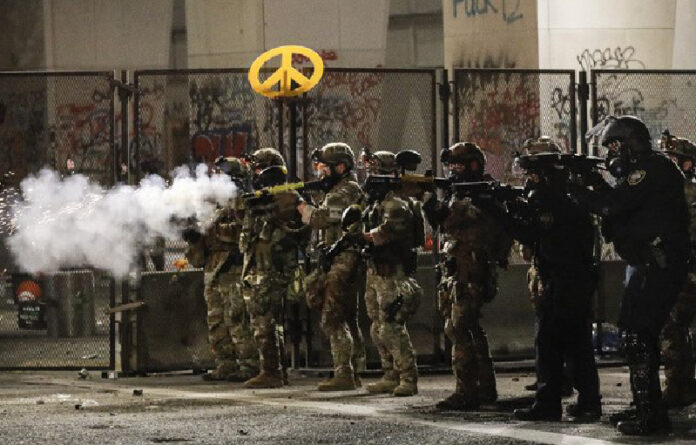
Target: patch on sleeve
x=635 y=177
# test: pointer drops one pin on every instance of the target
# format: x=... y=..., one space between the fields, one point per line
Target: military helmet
x=543 y=144
x=232 y=166
x=334 y=153
x=266 y=157
x=463 y=152
x=383 y=162
x=628 y=130
x=408 y=159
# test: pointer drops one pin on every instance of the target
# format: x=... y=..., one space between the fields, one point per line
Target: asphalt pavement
x=60 y=407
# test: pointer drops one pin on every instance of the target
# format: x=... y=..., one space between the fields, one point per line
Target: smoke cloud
x=73 y=222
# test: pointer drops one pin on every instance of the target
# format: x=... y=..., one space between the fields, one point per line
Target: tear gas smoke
x=73 y=222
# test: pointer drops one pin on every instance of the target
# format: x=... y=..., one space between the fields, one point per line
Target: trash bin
x=70 y=303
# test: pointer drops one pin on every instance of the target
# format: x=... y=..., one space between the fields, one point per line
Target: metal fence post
x=445 y=93
x=292 y=159
x=583 y=97
x=279 y=105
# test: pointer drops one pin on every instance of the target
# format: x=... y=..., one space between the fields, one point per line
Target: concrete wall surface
x=628 y=34
x=105 y=34
x=490 y=33
x=346 y=33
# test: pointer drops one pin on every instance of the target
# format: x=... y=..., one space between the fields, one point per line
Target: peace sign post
x=285 y=77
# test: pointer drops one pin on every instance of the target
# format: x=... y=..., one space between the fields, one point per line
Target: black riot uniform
x=646 y=217
x=561 y=235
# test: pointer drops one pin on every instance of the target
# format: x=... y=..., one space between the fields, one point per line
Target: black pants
x=558 y=337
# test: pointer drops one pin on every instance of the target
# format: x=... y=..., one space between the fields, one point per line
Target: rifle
x=394 y=308
x=377 y=186
x=265 y=195
x=487 y=190
x=346 y=241
x=350 y=216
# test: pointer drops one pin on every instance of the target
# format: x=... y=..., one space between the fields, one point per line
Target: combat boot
x=408 y=385
x=242 y=375
x=627 y=414
x=644 y=424
x=222 y=372
x=387 y=384
x=337 y=383
x=457 y=402
x=265 y=380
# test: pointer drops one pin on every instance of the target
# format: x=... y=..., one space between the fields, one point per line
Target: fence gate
x=379 y=109
x=664 y=100
x=64 y=121
x=500 y=109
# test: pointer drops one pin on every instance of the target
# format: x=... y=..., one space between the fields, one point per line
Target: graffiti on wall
x=509 y=10
x=325 y=54
x=71 y=132
x=499 y=111
x=81 y=136
x=608 y=58
x=501 y=60
x=640 y=95
x=345 y=107
x=223 y=116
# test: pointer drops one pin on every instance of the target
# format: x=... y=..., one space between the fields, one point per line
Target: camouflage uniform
x=475 y=242
x=334 y=293
x=269 y=241
x=229 y=331
x=677 y=345
x=392 y=294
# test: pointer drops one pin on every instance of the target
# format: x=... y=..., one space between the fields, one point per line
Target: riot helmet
x=270 y=176
x=626 y=137
x=465 y=162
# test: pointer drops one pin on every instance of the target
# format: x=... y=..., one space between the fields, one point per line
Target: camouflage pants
x=264 y=299
x=677 y=345
x=335 y=294
x=229 y=331
x=391 y=301
x=460 y=304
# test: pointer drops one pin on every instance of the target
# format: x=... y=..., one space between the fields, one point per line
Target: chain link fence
x=62 y=121
x=56 y=321
x=187 y=117
x=500 y=109
x=664 y=100
x=378 y=109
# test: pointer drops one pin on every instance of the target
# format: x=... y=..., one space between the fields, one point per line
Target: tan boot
x=265 y=380
x=408 y=385
x=386 y=384
x=338 y=383
x=222 y=372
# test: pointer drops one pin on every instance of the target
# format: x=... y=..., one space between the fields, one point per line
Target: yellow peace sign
x=286 y=74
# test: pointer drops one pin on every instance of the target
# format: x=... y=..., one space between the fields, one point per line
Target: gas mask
x=618 y=162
